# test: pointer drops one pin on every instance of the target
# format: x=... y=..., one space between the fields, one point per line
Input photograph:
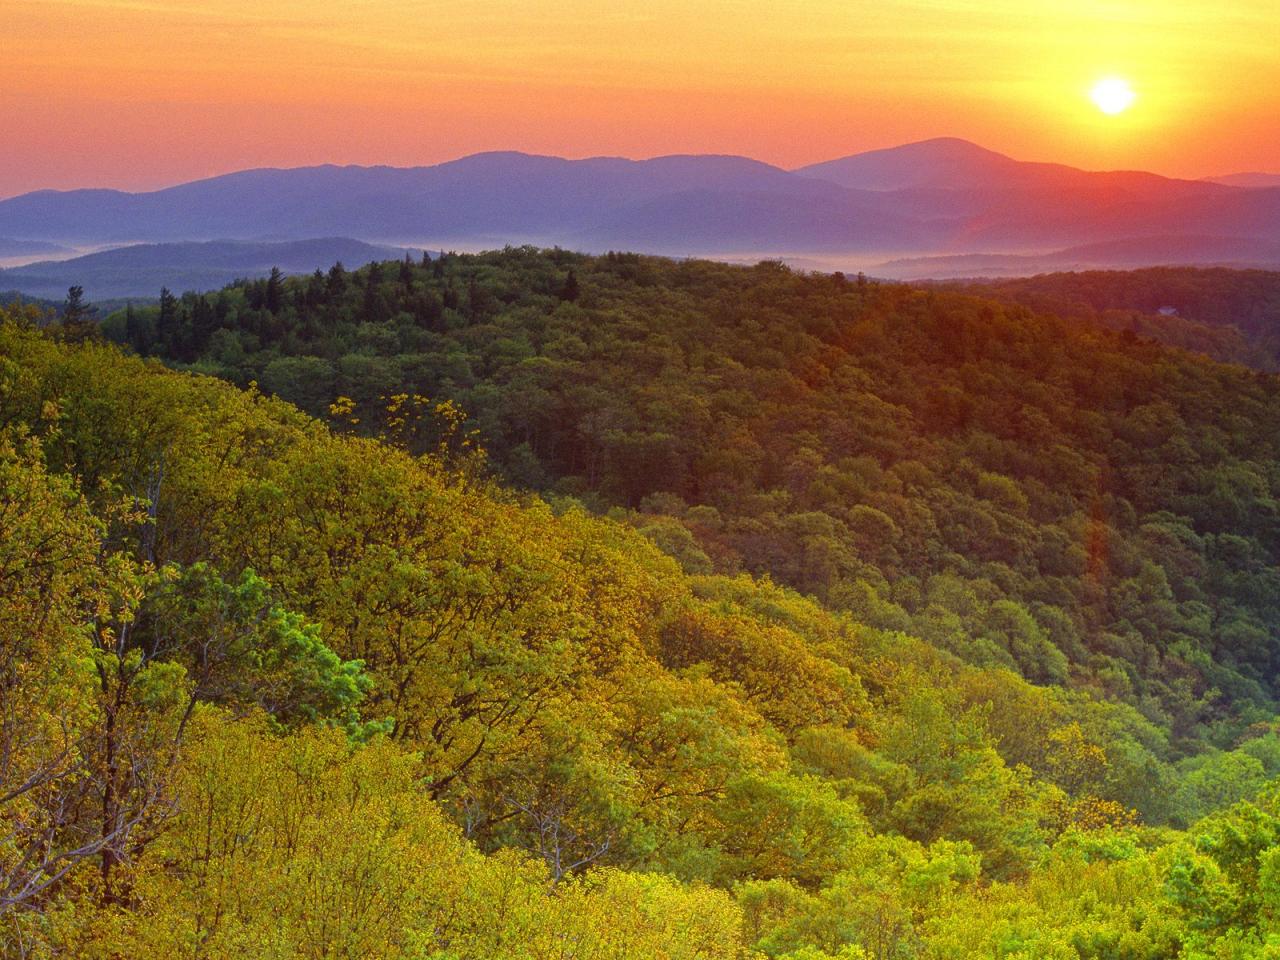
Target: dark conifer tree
x=77 y=317
x=74 y=310
x=337 y=279
x=168 y=310
x=570 y=291
x=203 y=322
x=373 y=301
x=274 y=298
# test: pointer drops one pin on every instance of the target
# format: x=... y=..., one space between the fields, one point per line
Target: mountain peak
x=953 y=146
x=941 y=162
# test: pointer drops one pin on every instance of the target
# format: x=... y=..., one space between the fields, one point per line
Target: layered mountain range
x=937 y=198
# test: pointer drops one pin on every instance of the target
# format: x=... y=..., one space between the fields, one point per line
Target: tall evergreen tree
x=337 y=278
x=570 y=291
x=74 y=309
x=168 y=309
x=77 y=317
x=275 y=291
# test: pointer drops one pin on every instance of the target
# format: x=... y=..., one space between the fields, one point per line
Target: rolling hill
x=1008 y=687
x=839 y=435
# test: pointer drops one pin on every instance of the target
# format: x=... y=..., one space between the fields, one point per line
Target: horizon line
x=586 y=158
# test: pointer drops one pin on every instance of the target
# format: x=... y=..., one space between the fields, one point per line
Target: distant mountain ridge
x=1127 y=253
x=942 y=197
x=141 y=270
x=1250 y=181
x=10 y=247
x=497 y=196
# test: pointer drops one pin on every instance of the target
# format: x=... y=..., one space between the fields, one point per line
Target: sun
x=1113 y=95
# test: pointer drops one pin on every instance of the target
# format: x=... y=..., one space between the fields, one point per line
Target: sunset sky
x=145 y=93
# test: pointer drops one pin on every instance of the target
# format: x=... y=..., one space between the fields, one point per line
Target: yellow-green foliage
x=1088 y=509
x=547 y=741
x=305 y=846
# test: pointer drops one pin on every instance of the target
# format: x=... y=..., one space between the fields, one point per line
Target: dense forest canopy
x=850 y=621
x=1091 y=510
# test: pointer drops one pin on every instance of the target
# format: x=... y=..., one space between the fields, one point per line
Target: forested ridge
x=1232 y=315
x=851 y=621
x=1092 y=510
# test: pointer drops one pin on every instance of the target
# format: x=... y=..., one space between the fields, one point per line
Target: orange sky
x=143 y=93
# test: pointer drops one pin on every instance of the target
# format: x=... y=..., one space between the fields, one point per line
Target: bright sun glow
x=1113 y=95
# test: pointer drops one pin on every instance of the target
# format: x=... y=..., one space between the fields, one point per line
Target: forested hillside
x=1091 y=510
x=275 y=692
x=1232 y=315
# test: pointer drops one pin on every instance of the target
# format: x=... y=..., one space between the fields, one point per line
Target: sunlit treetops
x=282 y=689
